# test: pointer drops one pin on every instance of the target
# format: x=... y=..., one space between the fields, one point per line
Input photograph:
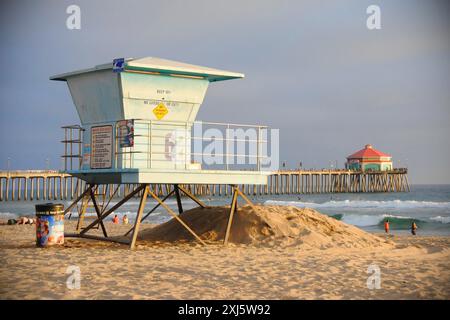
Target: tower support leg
x=97 y=210
x=233 y=207
x=232 y=210
x=177 y=194
x=137 y=223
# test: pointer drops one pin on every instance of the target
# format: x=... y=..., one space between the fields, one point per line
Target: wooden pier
x=54 y=185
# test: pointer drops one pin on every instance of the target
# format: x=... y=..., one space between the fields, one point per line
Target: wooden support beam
x=137 y=223
x=82 y=210
x=97 y=210
x=111 y=196
x=230 y=217
x=177 y=195
x=116 y=206
x=176 y=216
x=78 y=199
x=151 y=211
x=89 y=236
x=192 y=197
x=246 y=199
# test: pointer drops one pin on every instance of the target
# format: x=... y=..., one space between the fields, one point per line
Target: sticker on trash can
x=49 y=230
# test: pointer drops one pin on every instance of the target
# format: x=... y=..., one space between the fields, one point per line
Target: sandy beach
x=411 y=268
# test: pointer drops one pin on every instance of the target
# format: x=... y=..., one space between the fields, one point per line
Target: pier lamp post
x=47 y=163
x=8 y=163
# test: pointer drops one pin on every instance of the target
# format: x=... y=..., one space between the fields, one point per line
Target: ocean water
x=427 y=205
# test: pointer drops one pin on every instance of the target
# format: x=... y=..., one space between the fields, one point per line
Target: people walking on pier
x=116 y=219
x=125 y=219
x=413 y=228
x=386 y=226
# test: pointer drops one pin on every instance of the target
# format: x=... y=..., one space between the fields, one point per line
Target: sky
x=312 y=69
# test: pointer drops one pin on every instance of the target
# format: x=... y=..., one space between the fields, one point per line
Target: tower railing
x=73 y=140
x=181 y=145
x=175 y=145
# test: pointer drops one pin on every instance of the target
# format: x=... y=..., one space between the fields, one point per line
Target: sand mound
x=271 y=225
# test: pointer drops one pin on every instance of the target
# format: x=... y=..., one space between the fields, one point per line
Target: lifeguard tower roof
x=161 y=66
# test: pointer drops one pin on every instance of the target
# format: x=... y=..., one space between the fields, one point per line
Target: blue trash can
x=49 y=224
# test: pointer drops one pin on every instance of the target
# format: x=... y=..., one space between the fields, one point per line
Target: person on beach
x=386 y=225
x=125 y=219
x=22 y=220
x=413 y=228
x=11 y=221
x=116 y=219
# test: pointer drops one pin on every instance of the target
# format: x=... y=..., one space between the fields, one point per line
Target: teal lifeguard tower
x=137 y=119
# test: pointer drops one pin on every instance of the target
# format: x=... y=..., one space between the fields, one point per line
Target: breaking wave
x=391 y=204
x=396 y=222
x=377 y=220
x=441 y=219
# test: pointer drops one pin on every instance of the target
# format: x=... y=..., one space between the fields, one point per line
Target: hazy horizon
x=313 y=70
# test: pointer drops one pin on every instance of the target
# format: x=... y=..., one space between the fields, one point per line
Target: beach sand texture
x=277 y=253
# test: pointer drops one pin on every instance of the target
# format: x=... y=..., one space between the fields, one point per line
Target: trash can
x=49 y=224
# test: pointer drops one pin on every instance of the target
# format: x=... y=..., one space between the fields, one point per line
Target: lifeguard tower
x=138 y=127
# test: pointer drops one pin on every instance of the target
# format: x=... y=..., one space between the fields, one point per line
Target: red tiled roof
x=367 y=152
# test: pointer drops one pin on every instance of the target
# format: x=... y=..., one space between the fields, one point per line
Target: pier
x=55 y=185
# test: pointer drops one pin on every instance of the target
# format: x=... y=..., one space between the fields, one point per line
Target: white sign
x=101 y=144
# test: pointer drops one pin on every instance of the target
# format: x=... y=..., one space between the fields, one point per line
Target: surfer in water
x=386 y=225
x=413 y=228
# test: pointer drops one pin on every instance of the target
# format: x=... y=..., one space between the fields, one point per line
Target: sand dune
x=268 y=225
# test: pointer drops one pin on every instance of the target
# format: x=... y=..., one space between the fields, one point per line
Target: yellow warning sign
x=160 y=111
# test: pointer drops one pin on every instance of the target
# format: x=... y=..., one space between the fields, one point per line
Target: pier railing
x=56 y=185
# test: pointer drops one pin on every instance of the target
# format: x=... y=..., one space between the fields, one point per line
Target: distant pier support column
x=64 y=189
x=13 y=189
x=1 y=189
x=38 y=188
x=31 y=188
x=44 y=188
x=25 y=194
x=7 y=189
